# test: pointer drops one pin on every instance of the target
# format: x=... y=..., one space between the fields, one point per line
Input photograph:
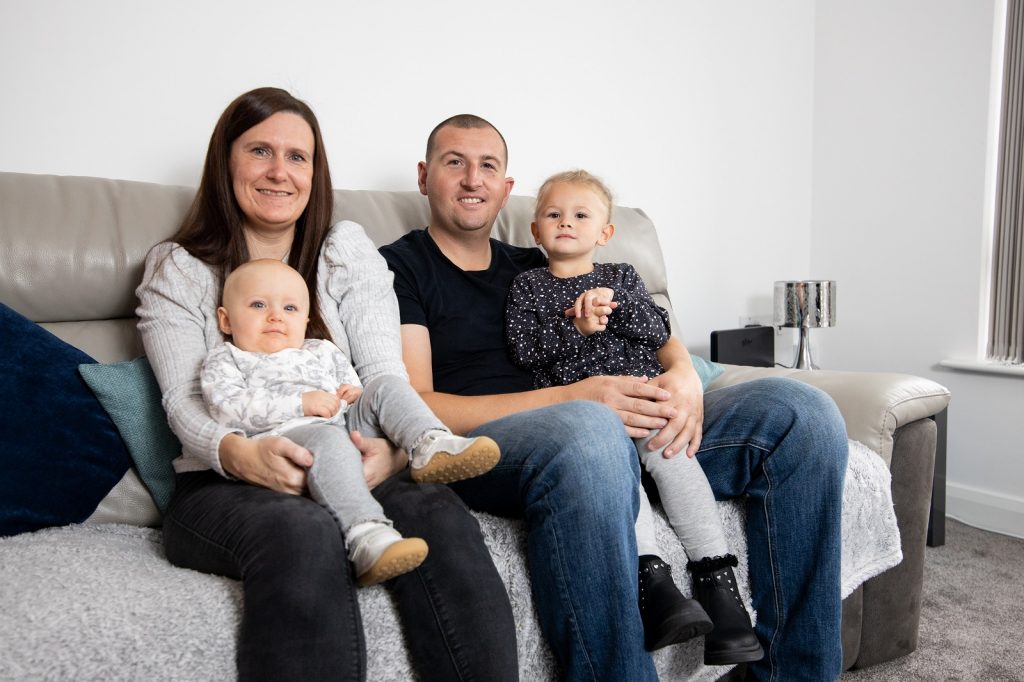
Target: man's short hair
x=466 y=122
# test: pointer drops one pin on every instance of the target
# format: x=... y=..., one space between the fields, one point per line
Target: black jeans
x=300 y=618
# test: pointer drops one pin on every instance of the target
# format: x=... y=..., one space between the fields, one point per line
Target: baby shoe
x=379 y=552
x=444 y=458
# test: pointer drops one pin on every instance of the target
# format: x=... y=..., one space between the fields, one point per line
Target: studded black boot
x=732 y=640
x=668 y=616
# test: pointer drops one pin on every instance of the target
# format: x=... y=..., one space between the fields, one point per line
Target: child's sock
x=379 y=552
x=440 y=457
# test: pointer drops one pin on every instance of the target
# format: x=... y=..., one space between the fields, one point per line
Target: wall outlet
x=748 y=320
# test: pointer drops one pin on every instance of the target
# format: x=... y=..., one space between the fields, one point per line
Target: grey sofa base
x=881 y=617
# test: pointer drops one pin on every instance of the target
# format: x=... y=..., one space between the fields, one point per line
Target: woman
x=238 y=508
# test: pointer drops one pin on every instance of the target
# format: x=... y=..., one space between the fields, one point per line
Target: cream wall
x=901 y=126
x=801 y=138
x=698 y=113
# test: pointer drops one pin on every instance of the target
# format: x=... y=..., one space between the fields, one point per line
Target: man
x=569 y=469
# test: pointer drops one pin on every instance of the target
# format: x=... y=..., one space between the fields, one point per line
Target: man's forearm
x=674 y=355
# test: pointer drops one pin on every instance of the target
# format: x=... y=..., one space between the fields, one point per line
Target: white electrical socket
x=747 y=320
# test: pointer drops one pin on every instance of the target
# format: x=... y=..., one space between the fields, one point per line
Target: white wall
x=713 y=117
x=901 y=124
x=699 y=114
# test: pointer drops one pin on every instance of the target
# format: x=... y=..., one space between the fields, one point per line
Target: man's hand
x=349 y=393
x=640 y=403
x=381 y=459
x=591 y=310
x=273 y=462
x=684 y=431
x=320 y=404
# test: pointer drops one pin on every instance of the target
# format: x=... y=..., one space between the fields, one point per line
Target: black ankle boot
x=668 y=616
x=732 y=640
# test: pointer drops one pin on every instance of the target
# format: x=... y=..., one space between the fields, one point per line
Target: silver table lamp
x=805 y=304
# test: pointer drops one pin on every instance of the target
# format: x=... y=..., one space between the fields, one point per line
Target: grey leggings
x=688 y=502
x=388 y=407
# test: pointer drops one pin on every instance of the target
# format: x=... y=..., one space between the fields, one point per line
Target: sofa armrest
x=874 y=404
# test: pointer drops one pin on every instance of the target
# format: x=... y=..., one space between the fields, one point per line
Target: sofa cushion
x=707 y=371
x=96 y=232
x=131 y=396
x=62 y=453
x=873 y=404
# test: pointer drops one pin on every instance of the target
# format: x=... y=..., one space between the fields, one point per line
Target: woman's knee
x=297 y=534
x=424 y=508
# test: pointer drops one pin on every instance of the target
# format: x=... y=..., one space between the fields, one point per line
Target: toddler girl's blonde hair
x=575 y=177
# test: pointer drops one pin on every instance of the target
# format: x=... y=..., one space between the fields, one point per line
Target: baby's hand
x=591 y=310
x=320 y=404
x=349 y=393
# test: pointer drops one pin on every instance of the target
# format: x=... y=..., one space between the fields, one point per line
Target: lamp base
x=803 y=353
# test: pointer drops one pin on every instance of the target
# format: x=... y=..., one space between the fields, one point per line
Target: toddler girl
x=548 y=331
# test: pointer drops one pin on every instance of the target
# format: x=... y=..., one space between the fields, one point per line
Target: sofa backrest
x=72 y=248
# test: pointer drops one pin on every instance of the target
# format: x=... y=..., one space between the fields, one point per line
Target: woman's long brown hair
x=213 y=229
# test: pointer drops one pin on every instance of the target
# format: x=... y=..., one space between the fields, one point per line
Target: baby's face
x=571 y=221
x=266 y=308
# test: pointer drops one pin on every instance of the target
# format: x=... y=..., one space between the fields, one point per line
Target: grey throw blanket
x=101 y=601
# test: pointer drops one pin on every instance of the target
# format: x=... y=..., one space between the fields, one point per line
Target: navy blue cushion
x=61 y=452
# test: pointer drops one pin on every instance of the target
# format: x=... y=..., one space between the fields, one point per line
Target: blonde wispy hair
x=576 y=177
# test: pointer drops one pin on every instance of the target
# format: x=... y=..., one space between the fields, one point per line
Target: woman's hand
x=273 y=462
x=684 y=431
x=381 y=459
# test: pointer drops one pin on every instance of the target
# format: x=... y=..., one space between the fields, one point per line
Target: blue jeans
x=783 y=445
x=571 y=473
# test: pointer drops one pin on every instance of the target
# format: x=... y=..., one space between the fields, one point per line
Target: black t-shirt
x=464 y=312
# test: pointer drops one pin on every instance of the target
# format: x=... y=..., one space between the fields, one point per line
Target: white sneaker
x=445 y=458
x=379 y=552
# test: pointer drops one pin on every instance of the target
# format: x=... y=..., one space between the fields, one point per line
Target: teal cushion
x=61 y=453
x=131 y=396
x=707 y=371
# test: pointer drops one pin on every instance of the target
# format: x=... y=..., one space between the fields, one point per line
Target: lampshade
x=804 y=304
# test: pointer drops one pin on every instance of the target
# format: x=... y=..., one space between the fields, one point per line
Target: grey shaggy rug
x=93 y=602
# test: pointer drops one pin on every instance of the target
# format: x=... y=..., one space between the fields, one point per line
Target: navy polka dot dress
x=541 y=338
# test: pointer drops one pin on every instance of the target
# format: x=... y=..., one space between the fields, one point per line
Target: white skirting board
x=985 y=509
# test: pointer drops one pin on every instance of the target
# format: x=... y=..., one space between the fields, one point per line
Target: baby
x=271 y=380
x=549 y=331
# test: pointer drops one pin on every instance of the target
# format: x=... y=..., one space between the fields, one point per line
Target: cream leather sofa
x=98 y=601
